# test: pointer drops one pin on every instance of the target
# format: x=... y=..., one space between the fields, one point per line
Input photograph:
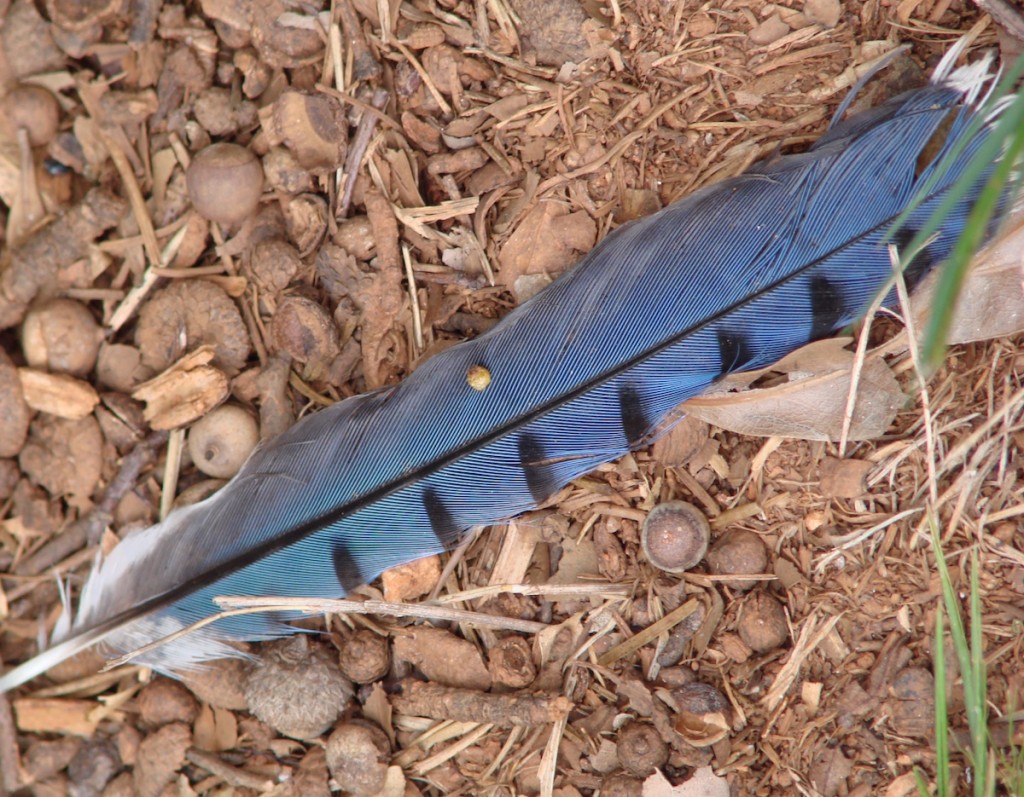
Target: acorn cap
x=675 y=536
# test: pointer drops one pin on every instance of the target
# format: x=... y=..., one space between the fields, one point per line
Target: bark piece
x=15 y=415
x=183 y=393
x=58 y=394
x=164 y=701
x=444 y=658
x=553 y=29
x=64 y=456
x=844 y=478
x=419 y=699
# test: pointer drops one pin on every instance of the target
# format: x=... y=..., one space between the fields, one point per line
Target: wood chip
x=58 y=394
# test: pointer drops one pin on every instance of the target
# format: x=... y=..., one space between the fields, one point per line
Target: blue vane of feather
x=731 y=278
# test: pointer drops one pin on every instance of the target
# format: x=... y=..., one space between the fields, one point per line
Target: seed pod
x=225 y=182
x=358 y=755
x=738 y=551
x=33 y=109
x=705 y=715
x=640 y=749
x=297 y=688
x=221 y=441
x=365 y=657
x=62 y=336
x=762 y=625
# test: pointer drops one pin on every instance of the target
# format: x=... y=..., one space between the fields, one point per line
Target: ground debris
x=426 y=168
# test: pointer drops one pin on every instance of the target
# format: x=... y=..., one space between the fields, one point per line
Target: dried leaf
x=703 y=783
x=991 y=304
x=809 y=408
x=549 y=239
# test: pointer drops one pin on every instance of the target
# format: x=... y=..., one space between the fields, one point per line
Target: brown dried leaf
x=991 y=304
x=215 y=729
x=548 y=240
x=703 y=783
x=811 y=407
x=829 y=772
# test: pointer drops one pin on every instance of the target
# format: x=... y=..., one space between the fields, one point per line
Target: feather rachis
x=389 y=476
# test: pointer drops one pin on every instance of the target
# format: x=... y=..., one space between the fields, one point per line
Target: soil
x=428 y=166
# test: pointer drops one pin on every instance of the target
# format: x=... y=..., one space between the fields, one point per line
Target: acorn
x=61 y=336
x=640 y=749
x=762 y=625
x=33 y=109
x=738 y=552
x=221 y=441
x=225 y=182
x=704 y=717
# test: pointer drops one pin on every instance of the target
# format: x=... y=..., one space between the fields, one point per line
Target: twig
x=417 y=610
x=262 y=605
x=414 y=301
x=638 y=640
x=233 y=776
x=425 y=77
x=135 y=198
x=550 y=591
x=364 y=65
x=361 y=140
x=10 y=763
x=1005 y=15
x=172 y=468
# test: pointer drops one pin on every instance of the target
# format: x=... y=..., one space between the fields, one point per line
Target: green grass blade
x=942 y=786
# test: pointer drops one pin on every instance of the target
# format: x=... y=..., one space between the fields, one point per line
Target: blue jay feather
x=731 y=278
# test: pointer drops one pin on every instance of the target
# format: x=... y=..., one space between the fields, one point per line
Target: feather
x=731 y=278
